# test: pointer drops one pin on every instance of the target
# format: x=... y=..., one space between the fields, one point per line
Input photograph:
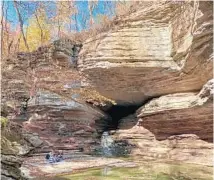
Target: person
x=50 y=157
x=54 y=156
x=61 y=155
x=47 y=156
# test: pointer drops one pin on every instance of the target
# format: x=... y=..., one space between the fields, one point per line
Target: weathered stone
x=182 y=113
x=173 y=127
x=184 y=148
x=162 y=49
x=24 y=72
x=56 y=119
x=10 y=162
x=23 y=148
x=128 y=122
x=162 y=52
x=33 y=139
x=62 y=124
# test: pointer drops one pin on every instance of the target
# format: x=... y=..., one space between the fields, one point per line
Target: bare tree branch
x=21 y=23
x=2 y=29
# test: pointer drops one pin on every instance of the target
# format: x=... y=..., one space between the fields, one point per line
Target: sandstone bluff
x=158 y=59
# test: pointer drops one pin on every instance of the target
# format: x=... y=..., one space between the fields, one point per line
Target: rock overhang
x=153 y=52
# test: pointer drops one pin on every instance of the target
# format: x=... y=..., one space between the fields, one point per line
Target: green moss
x=4 y=122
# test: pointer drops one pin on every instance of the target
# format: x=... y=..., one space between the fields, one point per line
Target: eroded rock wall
x=173 y=127
x=11 y=152
x=162 y=53
x=62 y=124
x=181 y=113
x=37 y=89
x=162 y=49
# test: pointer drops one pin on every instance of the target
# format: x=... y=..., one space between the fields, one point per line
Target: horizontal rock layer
x=184 y=113
x=23 y=74
x=185 y=148
x=39 y=89
x=10 y=162
x=173 y=127
x=61 y=124
x=162 y=49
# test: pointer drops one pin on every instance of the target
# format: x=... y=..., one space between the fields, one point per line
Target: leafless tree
x=2 y=28
x=21 y=23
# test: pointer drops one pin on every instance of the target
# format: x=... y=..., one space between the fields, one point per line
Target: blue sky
x=81 y=5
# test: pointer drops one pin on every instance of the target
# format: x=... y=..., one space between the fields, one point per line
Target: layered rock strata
x=62 y=124
x=162 y=53
x=173 y=127
x=39 y=89
x=161 y=49
x=10 y=161
x=181 y=113
x=49 y=67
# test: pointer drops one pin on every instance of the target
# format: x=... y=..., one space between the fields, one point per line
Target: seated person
x=54 y=157
x=60 y=154
x=50 y=157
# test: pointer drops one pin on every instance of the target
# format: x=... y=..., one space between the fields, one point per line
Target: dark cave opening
x=116 y=113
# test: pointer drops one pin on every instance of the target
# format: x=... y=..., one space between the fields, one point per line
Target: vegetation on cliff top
x=26 y=25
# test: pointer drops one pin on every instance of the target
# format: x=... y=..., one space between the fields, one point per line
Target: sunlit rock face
x=181 y=113
x=173 y=127
x=162 y=49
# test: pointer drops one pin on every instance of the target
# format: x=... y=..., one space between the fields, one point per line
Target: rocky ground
x=81 y=166
x=37 y=166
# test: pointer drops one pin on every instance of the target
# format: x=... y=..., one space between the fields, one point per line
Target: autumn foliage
x=38 y=23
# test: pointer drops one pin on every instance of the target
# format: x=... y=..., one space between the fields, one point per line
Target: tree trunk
x=2 y=29
x=17 y=44
x=21 y=24
x=9 y=46
x=76 y=25
x=59 y=29
x=7 y=31
x=40 y=27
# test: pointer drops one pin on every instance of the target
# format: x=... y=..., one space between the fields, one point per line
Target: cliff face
x=173 y=127
x=181 y=113
x=162 y=53
x=62 y=124
x=37 y=88
x=162 y=49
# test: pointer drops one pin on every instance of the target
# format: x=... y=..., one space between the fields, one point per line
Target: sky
x=81 y=5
